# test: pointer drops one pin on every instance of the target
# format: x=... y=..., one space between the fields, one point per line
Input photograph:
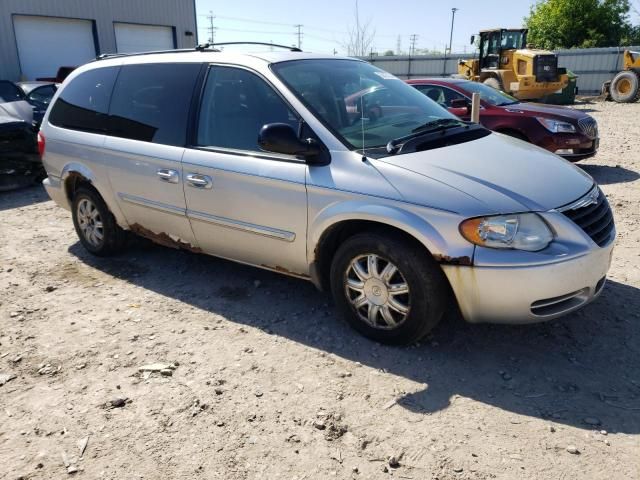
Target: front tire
x=95 y=224
x=625 y=87
x=388 y=288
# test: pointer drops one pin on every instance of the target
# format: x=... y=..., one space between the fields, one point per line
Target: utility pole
x=212 y=29
x=413 y=38
x=299 y=34
x=453 y=17
x=399 y=46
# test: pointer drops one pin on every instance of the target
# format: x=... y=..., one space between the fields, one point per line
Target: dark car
x=570 y=133
x=20 y=163
x=38 y=94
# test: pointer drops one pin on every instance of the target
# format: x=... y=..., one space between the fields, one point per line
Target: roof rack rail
x=206 y=46
x=104 y=56
x=200 y=48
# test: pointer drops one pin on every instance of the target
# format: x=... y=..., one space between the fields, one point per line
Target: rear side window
x=151 y=102
x=84 y=103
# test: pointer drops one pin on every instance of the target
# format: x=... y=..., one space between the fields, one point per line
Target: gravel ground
x=261 y=380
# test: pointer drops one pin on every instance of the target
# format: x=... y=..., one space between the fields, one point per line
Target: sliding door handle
x=199 y=181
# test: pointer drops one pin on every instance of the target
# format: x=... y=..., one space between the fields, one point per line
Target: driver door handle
x=197 y=180
x=168 y=175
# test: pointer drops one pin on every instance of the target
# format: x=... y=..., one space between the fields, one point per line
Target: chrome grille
x=589 y=126
x=593 y=215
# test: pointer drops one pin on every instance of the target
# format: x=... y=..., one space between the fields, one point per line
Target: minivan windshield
x=365 y=107
x=489 y=94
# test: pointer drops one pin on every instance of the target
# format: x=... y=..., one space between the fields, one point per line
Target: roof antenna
x=364 y=153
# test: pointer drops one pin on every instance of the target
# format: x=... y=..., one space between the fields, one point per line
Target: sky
x=325 y=23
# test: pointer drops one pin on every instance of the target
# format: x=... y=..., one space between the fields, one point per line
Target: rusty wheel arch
x=335 y=235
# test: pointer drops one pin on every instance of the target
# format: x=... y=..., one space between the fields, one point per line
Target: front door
x=245 y=204
x=147 y=133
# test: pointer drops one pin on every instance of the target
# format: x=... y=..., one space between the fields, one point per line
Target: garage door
x=132 y=37
x=46 y=43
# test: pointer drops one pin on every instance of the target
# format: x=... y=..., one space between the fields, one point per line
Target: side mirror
x=460 y=103
x=473 y=39
x=282 y=138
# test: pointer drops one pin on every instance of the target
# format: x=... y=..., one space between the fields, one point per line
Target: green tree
x=580 y=23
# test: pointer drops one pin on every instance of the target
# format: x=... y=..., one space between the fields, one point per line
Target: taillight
x=41 y=143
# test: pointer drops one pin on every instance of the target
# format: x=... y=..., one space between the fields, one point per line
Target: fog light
x=564 y=151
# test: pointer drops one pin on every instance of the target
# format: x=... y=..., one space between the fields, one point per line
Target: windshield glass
x=364 y=106
x=512 y=39
x=489 y=94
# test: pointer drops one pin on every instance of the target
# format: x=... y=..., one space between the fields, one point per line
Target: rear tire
x=494 y=83
x=395 y=299
x=625 y=87
x=95 y=224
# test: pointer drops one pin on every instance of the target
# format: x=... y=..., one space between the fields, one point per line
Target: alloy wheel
x=377 y=291
x=90 y=222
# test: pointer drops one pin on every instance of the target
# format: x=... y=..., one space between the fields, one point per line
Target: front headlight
x=556 y=126
x=523 y=231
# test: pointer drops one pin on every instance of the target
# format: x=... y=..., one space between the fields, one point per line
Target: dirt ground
x=267 y=383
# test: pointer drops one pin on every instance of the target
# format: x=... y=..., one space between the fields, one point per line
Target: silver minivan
x=331 y=170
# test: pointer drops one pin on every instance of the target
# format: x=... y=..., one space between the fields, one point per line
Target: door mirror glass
x=473 y=39
x=282 y=138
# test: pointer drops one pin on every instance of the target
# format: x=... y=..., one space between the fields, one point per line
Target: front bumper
x=529 y=293
x=580 y=145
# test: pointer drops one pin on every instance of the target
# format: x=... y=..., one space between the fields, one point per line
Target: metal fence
x=592 y=65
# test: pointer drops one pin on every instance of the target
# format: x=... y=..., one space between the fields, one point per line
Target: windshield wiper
x=441 y=124
x=437 y=124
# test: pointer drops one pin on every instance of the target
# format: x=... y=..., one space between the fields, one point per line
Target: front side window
x=489 y=94
x=151 y=102
x=84 y=103
x=42 y=94
x=236 y=104
x=365 y=107
x=439 y=94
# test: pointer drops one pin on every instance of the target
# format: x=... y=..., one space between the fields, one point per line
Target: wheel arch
x=331 y=228
x=75 y=174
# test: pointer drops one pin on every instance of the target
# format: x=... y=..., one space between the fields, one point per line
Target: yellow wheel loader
x=625 y=86
x=507 y=64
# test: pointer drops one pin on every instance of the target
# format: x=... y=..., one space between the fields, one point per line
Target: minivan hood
x=495 y=174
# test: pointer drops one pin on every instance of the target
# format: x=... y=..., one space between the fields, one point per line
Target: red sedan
x=570 y=133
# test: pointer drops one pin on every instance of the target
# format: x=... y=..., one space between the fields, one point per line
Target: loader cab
x=494 y=42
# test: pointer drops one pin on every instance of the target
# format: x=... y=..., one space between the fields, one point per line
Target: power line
x=265 y=22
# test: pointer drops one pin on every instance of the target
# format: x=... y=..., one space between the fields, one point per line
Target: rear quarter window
x=84 y=103
x=151 y=102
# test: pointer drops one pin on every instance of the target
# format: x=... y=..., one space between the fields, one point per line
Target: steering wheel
x=372 y=112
